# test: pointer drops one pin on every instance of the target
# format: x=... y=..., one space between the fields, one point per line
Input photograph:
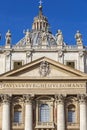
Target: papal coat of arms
x=44 y=68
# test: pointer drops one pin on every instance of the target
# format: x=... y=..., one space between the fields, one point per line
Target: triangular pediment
x=44 y=67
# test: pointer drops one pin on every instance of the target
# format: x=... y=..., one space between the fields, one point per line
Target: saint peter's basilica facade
x=43 y=81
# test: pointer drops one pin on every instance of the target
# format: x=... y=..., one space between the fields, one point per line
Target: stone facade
x=40 y=42
x=43 y=81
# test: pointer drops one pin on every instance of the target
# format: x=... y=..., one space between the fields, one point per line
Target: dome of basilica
x=40 y=34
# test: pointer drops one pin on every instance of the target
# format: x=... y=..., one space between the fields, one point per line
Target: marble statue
x=59 y=37
x=27 y=37
x=44 y=38
x=78 y=37
x=8 y=37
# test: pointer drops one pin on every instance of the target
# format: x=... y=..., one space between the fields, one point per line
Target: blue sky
x=67 y=15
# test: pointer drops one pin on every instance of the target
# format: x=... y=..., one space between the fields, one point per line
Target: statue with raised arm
x=59 y=37
x=78 y=37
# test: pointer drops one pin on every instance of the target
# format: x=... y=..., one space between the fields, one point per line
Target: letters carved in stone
x=41 y=85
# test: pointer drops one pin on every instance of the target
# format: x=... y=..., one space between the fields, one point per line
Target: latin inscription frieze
x=42 y=85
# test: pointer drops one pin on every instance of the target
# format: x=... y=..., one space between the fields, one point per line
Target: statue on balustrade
x=78 y=37
x=8 y=38
x=59 y=37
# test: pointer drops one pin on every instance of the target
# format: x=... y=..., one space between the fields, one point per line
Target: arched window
x=44 y=113
x=71 y=114
x=18 y=114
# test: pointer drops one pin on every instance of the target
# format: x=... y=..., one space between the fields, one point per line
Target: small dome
x=40 y=21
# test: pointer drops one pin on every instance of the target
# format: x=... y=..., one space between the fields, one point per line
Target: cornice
x=34 y=78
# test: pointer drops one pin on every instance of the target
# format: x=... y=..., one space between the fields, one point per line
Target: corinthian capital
x=5 y=98
x=28 y=98
x=82 y=98
x=60 y=98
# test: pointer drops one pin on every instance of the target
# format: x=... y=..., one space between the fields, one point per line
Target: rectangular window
x=18 y=117
x=44 y=113
x=17 y=65
x=71 y=64
x=71 y=116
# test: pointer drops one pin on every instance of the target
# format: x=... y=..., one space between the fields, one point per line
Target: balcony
x=72 y=125
x=44 y=125
x=17 y=125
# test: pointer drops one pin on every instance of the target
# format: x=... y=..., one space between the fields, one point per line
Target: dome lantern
x=40 y=22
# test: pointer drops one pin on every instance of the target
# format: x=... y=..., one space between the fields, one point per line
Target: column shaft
x=83 y=112
x=60 y=115
x=83 y=118
x=28 y=113
x=6 y=114
x=28 y=117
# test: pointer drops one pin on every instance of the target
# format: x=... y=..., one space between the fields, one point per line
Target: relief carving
x=44 y=69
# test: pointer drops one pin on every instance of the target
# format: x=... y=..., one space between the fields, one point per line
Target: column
x=6 y=112
x=60 y=113
x=83 y=117
x=28 y=113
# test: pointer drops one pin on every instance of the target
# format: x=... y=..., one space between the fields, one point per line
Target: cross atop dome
x=40 y=2
x=40 y=8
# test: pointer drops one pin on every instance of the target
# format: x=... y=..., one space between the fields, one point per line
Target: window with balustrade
x=17 y=114
x=44 y=113
x=71 y=114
